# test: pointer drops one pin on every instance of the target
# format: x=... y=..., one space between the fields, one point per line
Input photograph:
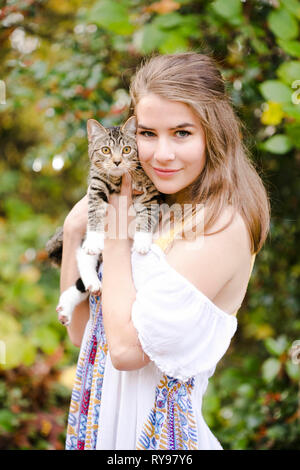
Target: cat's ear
x=94 y=128
x=130 y=126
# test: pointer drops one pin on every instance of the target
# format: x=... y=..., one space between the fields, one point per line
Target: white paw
x=93 y=285
x=142 y=242
x=64 y=314
x=93 y=243
x=67 y=302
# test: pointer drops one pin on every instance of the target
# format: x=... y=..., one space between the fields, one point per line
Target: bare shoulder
x=215 y=261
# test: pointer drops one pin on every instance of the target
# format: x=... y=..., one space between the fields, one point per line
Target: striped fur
x=106 y=174
x=112 y=152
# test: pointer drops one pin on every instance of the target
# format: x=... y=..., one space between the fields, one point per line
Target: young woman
x=151 y=341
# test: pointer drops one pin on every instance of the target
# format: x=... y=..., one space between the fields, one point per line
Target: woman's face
x=171 y=143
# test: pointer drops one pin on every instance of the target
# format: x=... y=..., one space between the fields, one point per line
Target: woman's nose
x=163 y=150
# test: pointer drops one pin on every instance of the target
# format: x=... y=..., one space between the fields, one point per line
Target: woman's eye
x=182 y=133
x=105 y=150
x=147 y=133
x=126 y=150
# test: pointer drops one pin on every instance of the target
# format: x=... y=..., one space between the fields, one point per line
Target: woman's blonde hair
x=229 y=176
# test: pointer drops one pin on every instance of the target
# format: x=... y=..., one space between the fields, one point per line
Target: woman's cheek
x=144 y=151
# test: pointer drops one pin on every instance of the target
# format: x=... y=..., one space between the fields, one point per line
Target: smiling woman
x=165 y=319
x=172 y=144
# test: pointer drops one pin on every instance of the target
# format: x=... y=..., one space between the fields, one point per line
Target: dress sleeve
x=178 y=327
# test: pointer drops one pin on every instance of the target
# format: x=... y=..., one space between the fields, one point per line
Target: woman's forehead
x=153 y=110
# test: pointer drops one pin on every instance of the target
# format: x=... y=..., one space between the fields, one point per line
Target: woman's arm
x=74 y=229
x=209 y=267
x=118 y=294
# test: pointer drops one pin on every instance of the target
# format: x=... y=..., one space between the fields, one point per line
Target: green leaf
x=152 y=38
x=292 y=370
x=288 y=72
x=278 y=144
x=46 y=338
x=230 y=10
x=8 y=420
x=9 y=181
x=28 y=353
x=15 y=345
x=8 y=325
x=290 y=47
x=293 y=132
x=259 y=46
x=270 y=369
x=246 y=390
x=276 y=346
x=168 y=21
x=292 y=110
x=16 y=209
x=275 y=90
x=283 y=24
x=276 y=432
x=293 y=6
x=173 y=43
x=112 y=16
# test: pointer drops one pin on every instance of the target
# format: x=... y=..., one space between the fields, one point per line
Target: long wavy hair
x=229 y=175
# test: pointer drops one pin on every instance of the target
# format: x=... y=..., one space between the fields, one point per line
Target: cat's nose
x=117 y=163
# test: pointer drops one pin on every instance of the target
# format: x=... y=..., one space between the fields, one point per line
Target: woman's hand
x=120 y=214
x=76 y=221
x=123 y=344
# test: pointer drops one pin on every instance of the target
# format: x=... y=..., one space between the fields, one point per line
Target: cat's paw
x=94 y=286
x=142 y=242
x=67 y=302
x=93 y=243
x=63 y=315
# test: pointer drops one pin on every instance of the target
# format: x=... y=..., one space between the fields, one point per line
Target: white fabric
x=183 y=333
x=179 y=328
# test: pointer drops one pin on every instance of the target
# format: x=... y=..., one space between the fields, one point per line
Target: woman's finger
x=126 y=185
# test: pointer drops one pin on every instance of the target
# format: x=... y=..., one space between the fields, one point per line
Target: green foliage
x=257 y=405
x=80 y=69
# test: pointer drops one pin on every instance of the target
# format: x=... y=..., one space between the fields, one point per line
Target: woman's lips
x=165 y=172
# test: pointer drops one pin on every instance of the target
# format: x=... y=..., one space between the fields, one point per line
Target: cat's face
x=113 y=150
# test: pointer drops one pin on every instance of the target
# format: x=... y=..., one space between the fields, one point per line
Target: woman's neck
x=182 y=197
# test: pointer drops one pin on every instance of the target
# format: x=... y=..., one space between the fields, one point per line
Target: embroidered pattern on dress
x=86 y=395
x=171 y=423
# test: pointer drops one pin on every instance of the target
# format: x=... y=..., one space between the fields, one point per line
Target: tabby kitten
x=112 y=152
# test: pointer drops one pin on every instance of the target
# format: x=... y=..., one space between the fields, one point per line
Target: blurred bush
x=53 y=80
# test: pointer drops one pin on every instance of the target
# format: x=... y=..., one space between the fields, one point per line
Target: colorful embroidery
x=86 y=395
x=171 y=424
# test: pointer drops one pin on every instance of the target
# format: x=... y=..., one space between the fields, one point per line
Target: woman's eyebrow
x=143 y=127
x=185 y=124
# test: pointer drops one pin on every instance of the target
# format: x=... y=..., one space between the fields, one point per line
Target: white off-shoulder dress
x=158 y=406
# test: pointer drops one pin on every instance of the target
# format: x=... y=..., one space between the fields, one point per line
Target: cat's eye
x=126 y=150
x=105 y=150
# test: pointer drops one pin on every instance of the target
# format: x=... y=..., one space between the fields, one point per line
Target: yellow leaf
x=264 y=331
x=273 y=114
x=46 y=427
